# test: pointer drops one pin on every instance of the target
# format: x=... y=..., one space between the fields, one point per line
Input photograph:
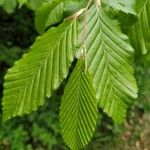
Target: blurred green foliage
x=40 y=130
x=10 y=5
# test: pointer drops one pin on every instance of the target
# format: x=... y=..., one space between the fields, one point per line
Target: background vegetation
x=40 y=130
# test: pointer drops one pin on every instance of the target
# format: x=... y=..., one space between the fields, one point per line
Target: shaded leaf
x=140 y=32
x=127 y=6
x=48 y=14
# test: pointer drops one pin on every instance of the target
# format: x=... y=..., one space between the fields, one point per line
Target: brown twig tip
x=76 y=15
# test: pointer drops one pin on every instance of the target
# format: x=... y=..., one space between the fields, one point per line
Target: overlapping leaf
x=140 y=32
x=48 y=14
x=109 y=60
x=126 y=6
x=40 y=71
x=53 y=12
x=79 y=113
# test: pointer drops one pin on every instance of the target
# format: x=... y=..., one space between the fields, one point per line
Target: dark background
x=40 y=130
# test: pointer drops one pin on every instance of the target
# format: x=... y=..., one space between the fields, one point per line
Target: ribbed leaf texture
x=140 y=33
x=109 y=60
x=39 y=72
x=78 y=113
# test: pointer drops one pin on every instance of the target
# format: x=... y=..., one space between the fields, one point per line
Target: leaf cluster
x=103 y=77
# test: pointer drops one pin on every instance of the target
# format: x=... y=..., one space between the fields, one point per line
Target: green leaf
x=48 y=14
x=109 y=61
x=39 y=72
x=34 y=4
x=79 y=112
x=127 y=6
x=140 y=32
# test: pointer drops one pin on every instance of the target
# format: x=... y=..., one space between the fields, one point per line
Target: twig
x=98 y=2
